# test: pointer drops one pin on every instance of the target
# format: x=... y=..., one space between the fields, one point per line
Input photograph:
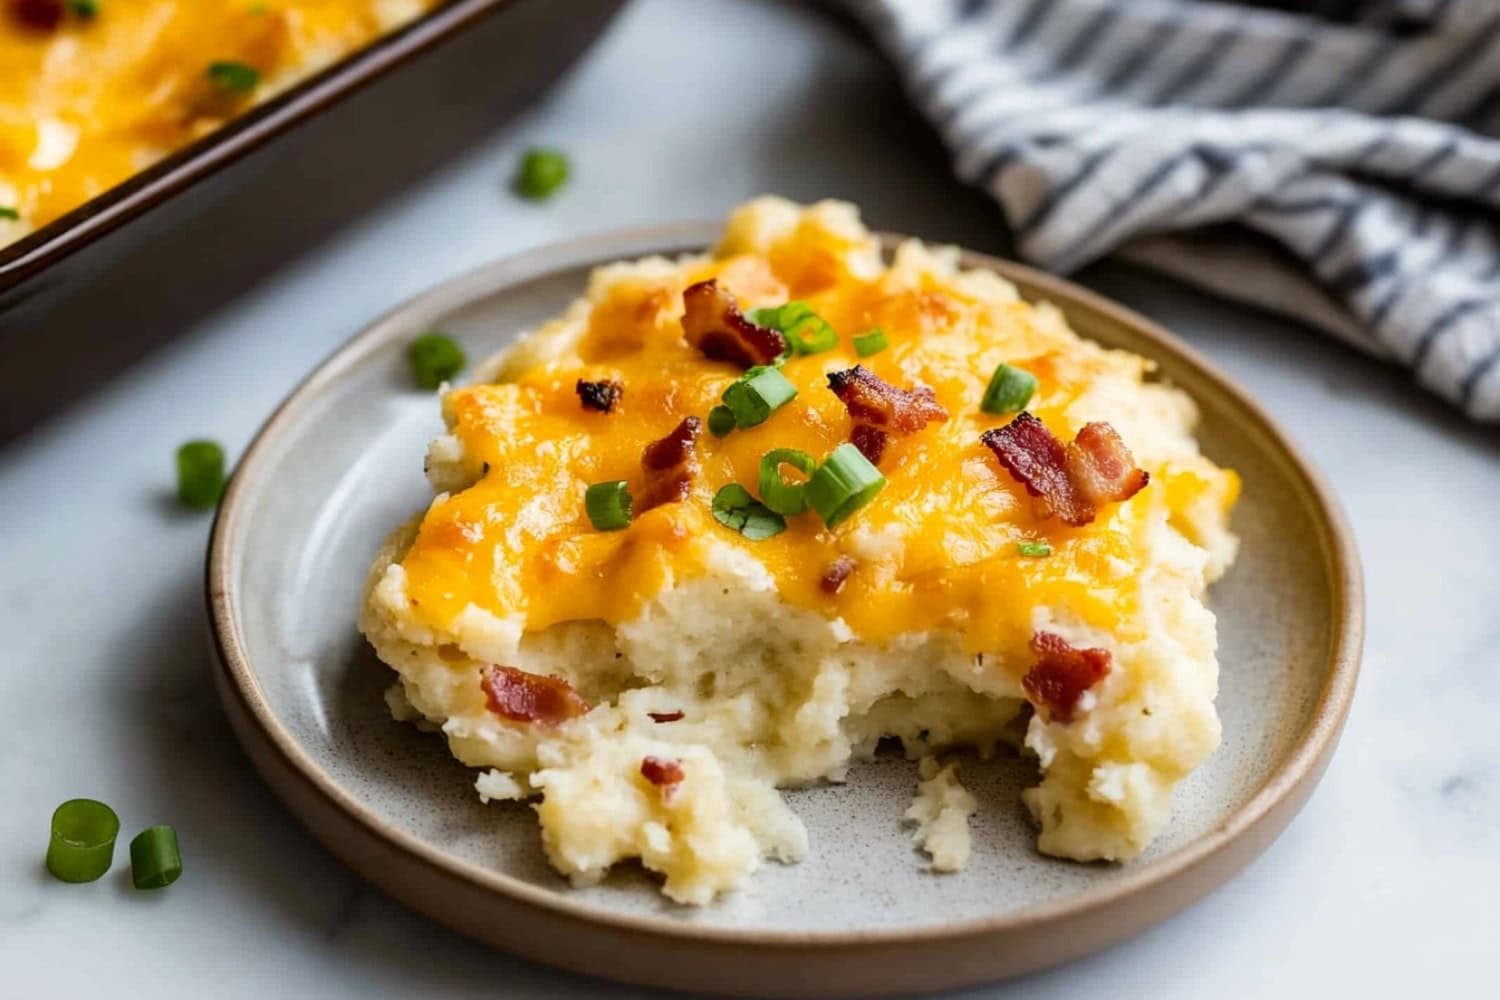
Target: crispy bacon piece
x=1067 y=481
x=870 y=441
x=1102 y=468
x=673 y=716
x=38 y=15
x=879 y=409
x=713 y=323
x=834 y=576
x=663 y=772
x=1061 y=674
x=521 y=697
x=601 y=396
x=670 y=465
x=1039 y=462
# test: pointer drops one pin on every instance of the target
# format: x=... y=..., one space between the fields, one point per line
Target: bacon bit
x=834 y=576
x=713 y=323
x=38 y=15
x=670 y=465
x=1038 y=461
x=663 y=772
x=870 y=440
x=1068 y=481
x=601 y=396
x=879 y=409
x=521 y=697
x=673 y=716
x=1062 y=674
x=1102 y=467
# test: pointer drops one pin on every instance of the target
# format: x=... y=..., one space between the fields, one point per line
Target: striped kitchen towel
x=1354 y=149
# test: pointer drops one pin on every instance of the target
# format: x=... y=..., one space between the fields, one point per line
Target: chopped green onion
x=200 y=474
x=736 y=509
x=806 y=332
x=154 y=859
x=1009 y=391
x=608 y=505
x=778 y=494
x=871 y=342
x=234 y=77
x=755 y=395
x=6 y=212
x=541 y=173
x=435 y=358
x=844 y=483
x=1034 y=550
x=83 y=840
x=720 y=421
x=86 y=9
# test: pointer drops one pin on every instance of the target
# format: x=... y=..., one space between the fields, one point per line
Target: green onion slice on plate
x=778 y=494
x=83 y=840
x=155 y=862
x=737 y=510
x=720 y=421
x=541 y=173
x=233 y=77
x=757 y=394
x=435 y=358
x=1009 y=391
x=200 y=474
x=805 y=331
x=1034 y=550
x=844 y=483
x=608 y=505
x=870 y=342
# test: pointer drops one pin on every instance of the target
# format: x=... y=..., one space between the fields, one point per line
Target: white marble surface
x=1384 y=886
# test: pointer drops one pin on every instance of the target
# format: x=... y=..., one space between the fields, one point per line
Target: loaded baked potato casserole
x=733 y=519
x=92 y=91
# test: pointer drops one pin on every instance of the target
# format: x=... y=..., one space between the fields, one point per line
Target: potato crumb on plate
x=941 y=814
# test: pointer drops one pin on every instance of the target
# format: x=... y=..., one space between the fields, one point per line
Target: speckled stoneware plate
x=341 y=462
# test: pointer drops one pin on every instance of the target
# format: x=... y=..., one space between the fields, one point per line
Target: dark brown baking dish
x=93 y=290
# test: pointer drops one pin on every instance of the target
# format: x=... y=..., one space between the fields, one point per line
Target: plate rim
x=1277 y=799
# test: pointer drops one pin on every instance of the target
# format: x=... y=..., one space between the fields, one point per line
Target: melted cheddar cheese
x=94 y=99
x=936 y=548
x=725 y=657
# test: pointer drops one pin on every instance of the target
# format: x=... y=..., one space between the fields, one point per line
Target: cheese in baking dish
x=650 y=689
x=91 y=93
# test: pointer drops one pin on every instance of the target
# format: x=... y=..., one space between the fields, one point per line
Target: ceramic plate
x=340 y=463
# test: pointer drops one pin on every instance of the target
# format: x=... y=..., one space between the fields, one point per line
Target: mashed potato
x=650 y=689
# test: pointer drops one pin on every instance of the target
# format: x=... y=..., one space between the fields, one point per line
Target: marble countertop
x=1383 y=886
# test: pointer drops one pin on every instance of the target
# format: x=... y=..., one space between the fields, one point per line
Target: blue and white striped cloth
x=1351 y=150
